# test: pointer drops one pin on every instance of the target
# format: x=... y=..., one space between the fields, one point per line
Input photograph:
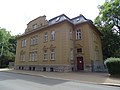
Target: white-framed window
x=78 y=34
x=45 y=55
x=23 y=43
x=34 y=40
x=46 y=37
x=31 y=41
x=71 y=54
x=52 y=54
x=71 y=35
x=34 y=26
x=52 y=35
x=22 y=56
x=30 y=56
x=33 y=56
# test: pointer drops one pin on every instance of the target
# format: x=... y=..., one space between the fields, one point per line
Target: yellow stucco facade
x=60 y=44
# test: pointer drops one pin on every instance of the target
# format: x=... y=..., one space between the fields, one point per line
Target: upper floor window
x=52 y=54
x=46 y=37
x=78 y=34
x=23 y=43
x=34 y=26
x=34 y=40
x=71 y=35
x=31 y=41
x=45 y=55
x=53 y=35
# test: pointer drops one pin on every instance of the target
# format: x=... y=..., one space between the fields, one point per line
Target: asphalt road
x=11 y=81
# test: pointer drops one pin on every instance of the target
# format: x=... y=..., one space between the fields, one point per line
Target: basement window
x=44 y=68
x=51 y=69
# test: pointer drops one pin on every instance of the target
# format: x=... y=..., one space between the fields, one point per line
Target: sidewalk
x=87 y=77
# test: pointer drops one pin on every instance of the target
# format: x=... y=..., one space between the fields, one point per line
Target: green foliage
x=113 y=65
x=108 y=22
x=109 y=15
x=4 y=36
x=110 y=44
x=8 y=43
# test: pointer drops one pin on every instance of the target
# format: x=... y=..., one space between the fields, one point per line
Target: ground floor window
x=33 y=56
x=45 y=55
x=52 y=54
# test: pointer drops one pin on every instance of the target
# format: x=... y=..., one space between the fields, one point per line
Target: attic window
x=57 y=19
x=78 y=19
x=34 y=26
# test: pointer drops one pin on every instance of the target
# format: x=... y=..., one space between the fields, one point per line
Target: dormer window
x=34 y=26
x=78 y=19
x=57 y=19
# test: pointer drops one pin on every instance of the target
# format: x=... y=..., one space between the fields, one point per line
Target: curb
x=87 y=82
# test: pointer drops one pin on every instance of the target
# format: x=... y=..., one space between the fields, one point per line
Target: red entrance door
x=80 y=64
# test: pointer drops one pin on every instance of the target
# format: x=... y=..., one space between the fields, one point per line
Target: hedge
x=113 y=65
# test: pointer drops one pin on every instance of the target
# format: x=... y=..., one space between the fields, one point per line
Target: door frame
x=80 y=63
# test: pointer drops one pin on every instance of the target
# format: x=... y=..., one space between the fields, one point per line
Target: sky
x=15 y=14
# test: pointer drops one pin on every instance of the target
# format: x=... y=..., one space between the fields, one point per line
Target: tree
x=4 y=37
x=108 y=22
x=7 y=47
x=109 y=15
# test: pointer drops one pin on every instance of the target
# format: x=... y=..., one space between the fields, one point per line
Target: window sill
x=52 y=59
x=33 y=61
x=33 y=44
x=22 y=61
x=81 y=53
x=45 y=60
x=52 y=40
x=45 y=41
x=23 y=47
x=78 y=39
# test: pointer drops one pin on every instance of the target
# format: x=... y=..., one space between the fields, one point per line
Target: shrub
x=113 y=65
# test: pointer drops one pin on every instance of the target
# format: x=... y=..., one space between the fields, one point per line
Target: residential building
x=59 y=44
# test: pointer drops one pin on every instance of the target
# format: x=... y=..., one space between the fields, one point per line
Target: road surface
x=11 y=81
